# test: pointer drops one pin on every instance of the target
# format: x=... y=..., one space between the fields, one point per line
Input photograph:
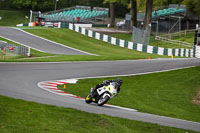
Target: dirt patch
x=196 y=99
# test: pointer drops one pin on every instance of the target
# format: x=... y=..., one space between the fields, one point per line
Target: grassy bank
x=79 y=41
x=70 y=38
x=25 y=117
x=13 y=17
x=167 y=93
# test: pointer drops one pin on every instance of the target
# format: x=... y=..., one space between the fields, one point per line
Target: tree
x=148 y=16
x=193 y=6
x=112 y=9
x=112 y=14
x=133 y=13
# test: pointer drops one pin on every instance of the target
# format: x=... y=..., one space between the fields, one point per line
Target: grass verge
x=104 y=50
x=167 y=93
x=22 y=117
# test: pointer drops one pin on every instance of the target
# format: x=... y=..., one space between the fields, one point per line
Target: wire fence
x=7 y=49
x=141 y=36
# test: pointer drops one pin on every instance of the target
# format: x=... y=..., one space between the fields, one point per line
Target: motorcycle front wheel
x=88 y=99
x=102 y=100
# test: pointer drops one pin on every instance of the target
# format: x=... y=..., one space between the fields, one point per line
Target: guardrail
x=184 y=32
x=168 y=38
x=13 y=50
x=186 y=44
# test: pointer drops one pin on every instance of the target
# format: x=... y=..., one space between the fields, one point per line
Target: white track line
x=54 y=42
x=51 y=86
x=21 y=44
x=135 y=73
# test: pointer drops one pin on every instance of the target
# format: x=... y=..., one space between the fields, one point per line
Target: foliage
x=193 y=5
x=124 y=2
x=33 y=4
x=48 y=5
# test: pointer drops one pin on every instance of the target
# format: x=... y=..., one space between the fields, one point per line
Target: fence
x=194 y=52
x=168 y=38
x=141 y=36
x=163 y=39
x=8 y=49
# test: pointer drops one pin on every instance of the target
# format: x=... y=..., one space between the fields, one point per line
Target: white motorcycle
x=103 y=94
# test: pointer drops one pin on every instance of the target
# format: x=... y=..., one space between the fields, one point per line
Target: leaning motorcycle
x=103 y=94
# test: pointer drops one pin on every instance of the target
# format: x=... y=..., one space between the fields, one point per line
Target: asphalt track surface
x=19 y=80
x=38 y=43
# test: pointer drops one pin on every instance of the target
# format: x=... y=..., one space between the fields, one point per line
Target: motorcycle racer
x=105 y=83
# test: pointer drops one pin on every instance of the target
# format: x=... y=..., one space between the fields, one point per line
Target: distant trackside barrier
x=194 y=52
x=7 y=49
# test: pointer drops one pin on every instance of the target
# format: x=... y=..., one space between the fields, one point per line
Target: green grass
x=167 y=93
x=104 y=50
x=67 y=37
x=18 y=116
x=13 y=17
x=186 y=38
x=189 y=37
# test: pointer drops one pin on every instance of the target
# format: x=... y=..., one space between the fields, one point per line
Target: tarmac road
x=19 y=80
x=38 y=43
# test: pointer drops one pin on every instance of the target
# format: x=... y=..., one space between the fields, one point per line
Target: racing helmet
x=119 y=81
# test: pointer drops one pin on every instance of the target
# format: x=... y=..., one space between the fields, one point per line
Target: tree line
x=48 y=5
x=117 y=7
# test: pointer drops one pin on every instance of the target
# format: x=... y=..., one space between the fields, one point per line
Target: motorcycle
x=103 y=94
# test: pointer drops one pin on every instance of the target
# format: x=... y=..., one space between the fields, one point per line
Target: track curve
x=38 y=43
x=20 y=80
